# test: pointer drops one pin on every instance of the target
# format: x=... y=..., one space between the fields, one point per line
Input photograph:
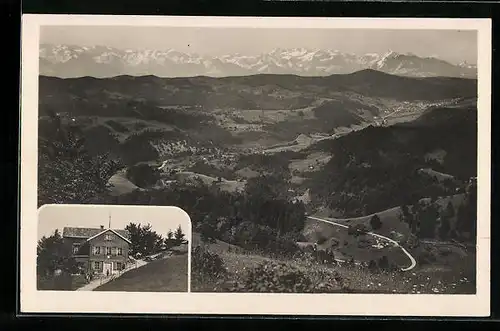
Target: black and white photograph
x=111 y=248
x=328 y=160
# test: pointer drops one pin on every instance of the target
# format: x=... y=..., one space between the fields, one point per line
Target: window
x=76 y=248
x=119 y=251
x=118 y=266
x=108 y=250
x=97 y=250
x=96 y=265
x=113 y=251
x=108 y=237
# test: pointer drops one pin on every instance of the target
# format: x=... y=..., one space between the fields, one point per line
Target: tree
x=356 y=230
x=444 y=228
x=53 y=255
x=143 y=175
x=372 y=265
x=144 y=240
x=134 y=231
x=67 y=172
x=450 y=210
x=207 y=232
x=467 y=215
x=331 y=256
x=375 y=222
x=427 y=218
x=404 y=210
x=179 y=236
x=383 y=263
x=402 y=217
x=169 y=240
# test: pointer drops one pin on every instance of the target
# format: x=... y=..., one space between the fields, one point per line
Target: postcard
x=255 y=165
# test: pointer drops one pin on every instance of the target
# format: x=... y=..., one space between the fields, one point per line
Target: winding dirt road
x=395 y=243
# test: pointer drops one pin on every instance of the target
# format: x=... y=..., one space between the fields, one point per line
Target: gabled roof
x=85 y=233
x=106 y=230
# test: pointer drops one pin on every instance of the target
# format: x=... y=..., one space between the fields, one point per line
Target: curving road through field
x=395 y=243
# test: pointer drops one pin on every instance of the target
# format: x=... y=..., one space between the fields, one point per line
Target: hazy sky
x=162 y=220
x=451 y=45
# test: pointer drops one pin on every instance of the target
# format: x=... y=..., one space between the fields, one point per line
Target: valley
x=264 y=162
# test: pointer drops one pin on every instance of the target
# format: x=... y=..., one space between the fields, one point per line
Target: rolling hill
x=250 y=155
x=157 y=117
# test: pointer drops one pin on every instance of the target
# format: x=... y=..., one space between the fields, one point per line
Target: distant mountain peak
x=104 y=61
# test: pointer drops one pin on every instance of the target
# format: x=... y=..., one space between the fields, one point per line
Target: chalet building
x=100 y=250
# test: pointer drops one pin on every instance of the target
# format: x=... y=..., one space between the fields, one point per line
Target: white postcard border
x=32 y=301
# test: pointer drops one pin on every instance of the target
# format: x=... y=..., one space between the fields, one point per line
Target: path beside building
x=100 y=281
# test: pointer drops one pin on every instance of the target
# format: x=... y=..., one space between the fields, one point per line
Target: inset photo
x=113 y=248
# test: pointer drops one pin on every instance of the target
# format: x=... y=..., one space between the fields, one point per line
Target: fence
x=104 y=279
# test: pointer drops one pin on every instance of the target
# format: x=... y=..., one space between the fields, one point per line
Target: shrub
x=207 y=265
x=358 y=229
x=375 y=222
x=383 y=263
x=207 y=232
x=277 y=277
x=372 y=265
x=321 y=239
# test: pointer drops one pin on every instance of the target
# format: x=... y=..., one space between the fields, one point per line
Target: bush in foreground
x=277 y=277
x=206 y=266
x=282 y=277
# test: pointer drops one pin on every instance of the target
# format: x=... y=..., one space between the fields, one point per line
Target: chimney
x=102 y=227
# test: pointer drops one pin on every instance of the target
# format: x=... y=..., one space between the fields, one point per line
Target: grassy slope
x=120 y=184
x=433 y=278
x=428 y=280
x=225 y=185
x=165 y=275
x=389 y=218
x=61 y=283
x=347 y=246
x=218 y=246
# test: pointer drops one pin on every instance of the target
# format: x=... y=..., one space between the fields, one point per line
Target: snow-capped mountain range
x=101 y=61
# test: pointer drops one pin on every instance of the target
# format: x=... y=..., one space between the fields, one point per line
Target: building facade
x=98 y=250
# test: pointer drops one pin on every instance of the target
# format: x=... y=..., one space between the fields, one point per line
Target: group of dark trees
x=261 y=217
x=380 y=167
x=382 y=264
x=53 y=255
x=67 y=171
x=143 y=175
x=146 y=241
x=360 y=229
x=428 y=220
x=362 y=188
